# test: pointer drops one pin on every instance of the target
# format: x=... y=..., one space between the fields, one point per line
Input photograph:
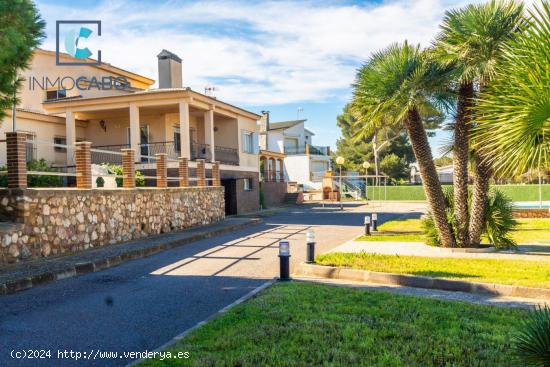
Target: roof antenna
x=298 y=111
x=209 y=91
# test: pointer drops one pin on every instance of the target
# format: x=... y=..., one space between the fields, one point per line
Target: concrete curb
x=367 y=276
x=24 y=283
x=253 y=293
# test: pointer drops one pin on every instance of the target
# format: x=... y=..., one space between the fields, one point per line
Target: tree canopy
x=21 y=30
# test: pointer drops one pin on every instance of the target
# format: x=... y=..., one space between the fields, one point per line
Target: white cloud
x=257 y=53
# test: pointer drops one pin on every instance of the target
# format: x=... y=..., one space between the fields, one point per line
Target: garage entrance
x=230 y=195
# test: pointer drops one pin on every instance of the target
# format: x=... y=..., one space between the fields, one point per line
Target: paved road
x=142 y=304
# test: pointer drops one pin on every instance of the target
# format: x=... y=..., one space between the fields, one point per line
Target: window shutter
x=255 y=143
x=243 y=141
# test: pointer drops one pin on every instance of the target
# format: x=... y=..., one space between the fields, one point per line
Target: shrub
x=40 y=165
x=499 y=220
x=100 y=181
x=117 y=170
x=532 y=344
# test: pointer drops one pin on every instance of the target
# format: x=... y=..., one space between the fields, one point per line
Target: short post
x=16 y=160
x=183 y=171
x=216 y=174
x=83 y=165
x=201 y=174
x=161 y=169
x=375 y=222
x=284 y=261
x=128 y=168
x=367 y=225
x=310 y=243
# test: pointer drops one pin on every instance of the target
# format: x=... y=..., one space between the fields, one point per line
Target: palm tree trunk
x=482 y=175
x=460 y=161
x=432 y=186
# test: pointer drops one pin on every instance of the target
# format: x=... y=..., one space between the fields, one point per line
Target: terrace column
x=83 y=165
x=216 y=174
x=185 y=139
x=183 y=171
x=161 y=169
x=128 y=168
x=201 y=174
x=16 y=160
x=282 y=171
x=209 y=132
x=70 y=136
x=135 y=136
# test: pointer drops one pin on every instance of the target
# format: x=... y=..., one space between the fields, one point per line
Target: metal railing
x=107 y=153
x=226 y=155
x=302 y=149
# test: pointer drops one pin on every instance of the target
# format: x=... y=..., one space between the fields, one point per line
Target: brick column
x=83 y=165
x=161 y=169
x=216 y=174
x=282 y=171
x=201 y=174
x=16 y=160
x=128 y=168
x=184 y=172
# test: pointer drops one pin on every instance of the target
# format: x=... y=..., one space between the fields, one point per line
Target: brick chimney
x=169 y=70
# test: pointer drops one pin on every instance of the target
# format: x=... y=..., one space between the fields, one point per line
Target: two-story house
x=304 y=162
x=114 y=108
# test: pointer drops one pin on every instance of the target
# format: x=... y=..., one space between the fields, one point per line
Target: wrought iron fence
x=104 y=153
x=226 y=155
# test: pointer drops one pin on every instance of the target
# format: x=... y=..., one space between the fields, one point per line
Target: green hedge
x=515 y=192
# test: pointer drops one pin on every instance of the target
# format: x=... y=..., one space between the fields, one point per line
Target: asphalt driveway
x=142 y=304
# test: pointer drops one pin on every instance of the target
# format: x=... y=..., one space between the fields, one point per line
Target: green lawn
x=512 y=272
x=299 y=324
x=514 y=192
x=535 y=230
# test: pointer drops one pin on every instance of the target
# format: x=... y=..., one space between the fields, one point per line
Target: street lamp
x=366 y=166
x=340 y=161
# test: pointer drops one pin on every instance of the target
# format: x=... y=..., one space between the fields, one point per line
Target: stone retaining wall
x=58 y=221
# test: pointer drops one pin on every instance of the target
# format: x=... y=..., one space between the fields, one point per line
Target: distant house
x=445 y=174
x=304 y=162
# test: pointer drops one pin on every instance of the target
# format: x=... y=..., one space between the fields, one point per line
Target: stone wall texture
x=58 y=221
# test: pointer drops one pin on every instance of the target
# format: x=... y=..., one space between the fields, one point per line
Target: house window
x=247 y=184
x=248 y=142
x=61 y=140
x=30 y=146
x=56 y=94
x=177 y=140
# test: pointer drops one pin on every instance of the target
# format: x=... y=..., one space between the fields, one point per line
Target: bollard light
x=375 y=222
x=284 y=260
x=367 y=225
x=310 y=243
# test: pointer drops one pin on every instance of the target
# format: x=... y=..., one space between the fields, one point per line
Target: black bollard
x=375 y=222
x=310 y=243
x=284 y=260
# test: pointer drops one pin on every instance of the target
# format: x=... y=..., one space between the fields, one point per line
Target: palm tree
x=394 y=87
x=472 y=39
x=513 y=132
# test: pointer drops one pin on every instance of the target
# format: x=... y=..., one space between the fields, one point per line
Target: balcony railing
x=303 y=149
x=224 y=155
x=103 y=155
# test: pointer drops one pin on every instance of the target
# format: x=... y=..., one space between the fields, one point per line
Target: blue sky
x=276 y=56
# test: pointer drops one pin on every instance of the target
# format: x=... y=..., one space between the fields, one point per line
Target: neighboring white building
x=445 y=174
x=304 y=162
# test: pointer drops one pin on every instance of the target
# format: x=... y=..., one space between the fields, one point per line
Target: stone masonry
x=53 y=221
